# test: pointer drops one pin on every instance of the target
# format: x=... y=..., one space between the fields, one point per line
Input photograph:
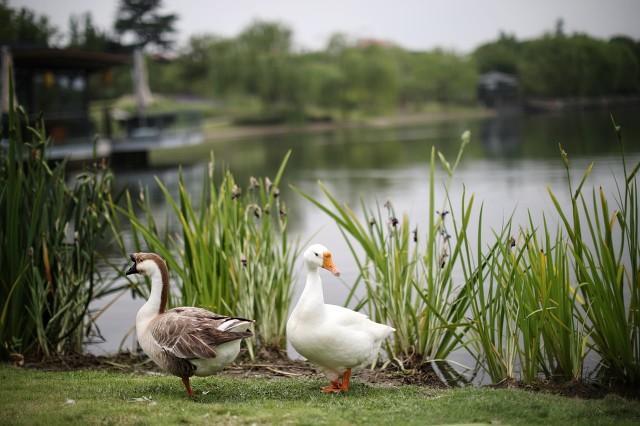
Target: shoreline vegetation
x=531 y=301
x=226 y=131
x=223 y=130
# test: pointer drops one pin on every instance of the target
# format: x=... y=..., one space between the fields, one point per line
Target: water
x=508 y=166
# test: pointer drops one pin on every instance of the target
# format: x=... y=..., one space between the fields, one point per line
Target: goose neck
x=312 y=300
x=157 y=302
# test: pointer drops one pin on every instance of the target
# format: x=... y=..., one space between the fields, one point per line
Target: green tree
x=83 y=34
x=436 y=76
x=24 y=26
x=265 y=48
x=565 y=65
x=501 y=55
x=143 y=21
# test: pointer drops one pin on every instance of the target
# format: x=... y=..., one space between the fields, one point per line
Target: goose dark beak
x=132 y=270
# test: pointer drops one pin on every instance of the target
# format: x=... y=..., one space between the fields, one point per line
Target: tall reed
x=524 y=307
x=409 y=283
x=49 y=233
x=606 y=263
x=231 y=253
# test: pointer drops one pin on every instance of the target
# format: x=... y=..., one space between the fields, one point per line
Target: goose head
x=318 y=256
x=146 y=264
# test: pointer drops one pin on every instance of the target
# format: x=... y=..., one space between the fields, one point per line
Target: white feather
x=333 y=337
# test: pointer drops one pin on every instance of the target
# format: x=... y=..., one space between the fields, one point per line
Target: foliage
x=84 y=34
x=559 y=65
x=351 y=77
x=24 y=26
x=606 y=258
x=344 y=78
x=142 y=19
x=49 y=233
x=436 y=75
x=500 y=55
x=513 y=301
x=525 y=311
x=232 y=255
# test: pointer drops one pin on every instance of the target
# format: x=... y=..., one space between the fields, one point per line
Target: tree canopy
x=561 y=65
x=260 y=69
x=84 y=34
x=142 y=20
x=23 y=26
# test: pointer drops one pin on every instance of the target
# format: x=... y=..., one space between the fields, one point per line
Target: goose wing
x=195 y=332
x=344 y=316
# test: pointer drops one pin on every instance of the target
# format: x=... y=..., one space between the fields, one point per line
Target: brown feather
x=193 y=332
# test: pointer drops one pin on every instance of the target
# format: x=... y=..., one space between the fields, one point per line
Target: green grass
x=37 y=397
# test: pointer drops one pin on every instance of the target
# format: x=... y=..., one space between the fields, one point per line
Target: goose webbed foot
x=338 y=386
x=334 y=387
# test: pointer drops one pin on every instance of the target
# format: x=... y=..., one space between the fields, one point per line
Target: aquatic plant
x=409 y=284
x=534 y=315
x=528 y=302
x=49 y=234
x=524 y=307
x=605 y=250
x=231 y=254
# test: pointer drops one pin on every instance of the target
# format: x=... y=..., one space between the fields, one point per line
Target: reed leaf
x=231 y=253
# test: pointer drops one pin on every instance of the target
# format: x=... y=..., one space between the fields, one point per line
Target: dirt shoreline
x=277 y=366
x=213 y=133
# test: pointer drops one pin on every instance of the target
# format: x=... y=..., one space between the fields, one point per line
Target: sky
x=460 y=25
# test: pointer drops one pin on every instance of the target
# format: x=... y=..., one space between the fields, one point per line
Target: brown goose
x=184 y=341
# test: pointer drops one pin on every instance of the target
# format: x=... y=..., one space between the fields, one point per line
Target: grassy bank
x=90 y=397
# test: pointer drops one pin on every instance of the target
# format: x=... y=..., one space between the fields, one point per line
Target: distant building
x=55 y=82
x=498 y=90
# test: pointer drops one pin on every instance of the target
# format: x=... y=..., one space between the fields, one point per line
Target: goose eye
x=316 y=254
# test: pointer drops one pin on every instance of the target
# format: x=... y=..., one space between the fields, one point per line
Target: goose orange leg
x=187 y=386
x=334 y=387
x=344 y=387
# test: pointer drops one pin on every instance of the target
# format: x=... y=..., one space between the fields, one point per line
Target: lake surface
x=508 y=165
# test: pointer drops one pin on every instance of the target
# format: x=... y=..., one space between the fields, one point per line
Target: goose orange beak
x=327 y=263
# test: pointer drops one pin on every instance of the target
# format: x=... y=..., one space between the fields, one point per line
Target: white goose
x=184 y=341
x=335 y=338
